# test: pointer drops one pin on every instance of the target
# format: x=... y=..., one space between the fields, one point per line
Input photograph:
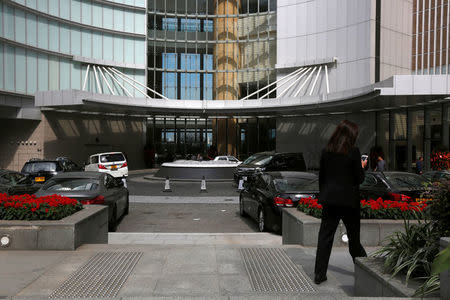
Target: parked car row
x=266 y=191
x=100 y=183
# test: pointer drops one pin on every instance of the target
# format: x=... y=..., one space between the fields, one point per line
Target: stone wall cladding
x=301 y=229
x=88 y=226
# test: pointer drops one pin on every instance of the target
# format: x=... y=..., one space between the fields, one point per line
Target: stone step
x=143 y=238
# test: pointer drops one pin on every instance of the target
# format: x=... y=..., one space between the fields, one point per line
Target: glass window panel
x=9 y=22
x=140 y=3
x=139 y=52
x=54 y=36
x=97 y=15
x=42 y=32
x=64 y=74
x=190 y=86
x=107 y=17
x=2 y=67
x=118 y=49
x=169 y=60
x=97 y=41
x=129 y=50
x=20 y=2
x=32 y=3
x=20 y=26
x=139 y=23
x=2 y=16
x=208 y=26
x=208 y=86
x=170 y=24
x=53 y=73
x=86 y=40
x=21 y=84
x=129 y=21
x=9 y=68
x=107 y=46
x=31 y=30
x=75 y=11
x=118 y=19
x=86 y=13
x=190 y=25
x=169 y=83
x=31 y=72
x=42 y=72
x=64 y=37
x=208 y=61
x=64 y=9
x=129 y=2
x=75 y=41
x=53 y=7
x=42 y=6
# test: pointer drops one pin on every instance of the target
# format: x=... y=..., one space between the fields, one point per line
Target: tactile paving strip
x=271 y=270
x=101 y=277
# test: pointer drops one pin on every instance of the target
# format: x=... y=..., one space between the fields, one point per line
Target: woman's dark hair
x=343 y=137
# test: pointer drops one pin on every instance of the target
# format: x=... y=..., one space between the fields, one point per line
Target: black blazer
x=339 y=178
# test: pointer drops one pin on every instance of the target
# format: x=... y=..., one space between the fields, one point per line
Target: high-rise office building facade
x=240 y=76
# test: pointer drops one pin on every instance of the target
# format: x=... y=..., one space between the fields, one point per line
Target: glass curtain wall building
x=205 y=50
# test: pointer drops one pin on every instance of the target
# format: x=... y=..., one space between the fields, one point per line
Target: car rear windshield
x=287 y=184
x=408 y=181
x=106 y=158
x=71 y=184
x=39 y=166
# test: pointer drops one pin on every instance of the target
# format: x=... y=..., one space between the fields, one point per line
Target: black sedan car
x=269 y=161
x=265 y=193
x=41 y=170
x=396 y=186
x=15 y=183
x=91 y=188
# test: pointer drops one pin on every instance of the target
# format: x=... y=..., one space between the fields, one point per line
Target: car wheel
x=241 y=208
x=127 y=208
x=261 y=220
x=113 y=223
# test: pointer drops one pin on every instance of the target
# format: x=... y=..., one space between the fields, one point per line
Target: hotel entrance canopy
x=399 y=91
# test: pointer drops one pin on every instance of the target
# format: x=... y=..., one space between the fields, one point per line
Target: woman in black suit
x=341 y=173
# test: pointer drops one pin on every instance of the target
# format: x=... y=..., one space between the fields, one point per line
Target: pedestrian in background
x=341 y=173
x=381 y=163
x=419 y=165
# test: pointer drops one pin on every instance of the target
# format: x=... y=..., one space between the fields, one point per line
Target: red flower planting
x=370 y=209
x=30 y=207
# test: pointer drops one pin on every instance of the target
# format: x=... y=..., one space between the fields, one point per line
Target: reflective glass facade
x=49 y=42
x=210 y=49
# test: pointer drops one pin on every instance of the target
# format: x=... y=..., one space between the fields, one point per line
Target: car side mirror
x=119 y=182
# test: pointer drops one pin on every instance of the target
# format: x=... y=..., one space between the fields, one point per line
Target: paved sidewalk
x=170 y=271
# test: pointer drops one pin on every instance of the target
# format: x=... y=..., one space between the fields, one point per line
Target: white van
x=113 y=163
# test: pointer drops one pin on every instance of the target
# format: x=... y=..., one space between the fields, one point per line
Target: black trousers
x=331 y=215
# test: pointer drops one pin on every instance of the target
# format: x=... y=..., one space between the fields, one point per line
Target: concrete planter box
x=89 y=225
x=301 y=229
x=445 y=276
x=369 y=273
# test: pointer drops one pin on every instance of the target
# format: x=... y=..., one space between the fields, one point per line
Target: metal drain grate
x=271 y=270
x=102 y=276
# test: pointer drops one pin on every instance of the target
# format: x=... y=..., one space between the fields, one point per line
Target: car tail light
x=97 y=200
x=124 y=165
x=279 y=201
x=100 y=166
x=399 y=197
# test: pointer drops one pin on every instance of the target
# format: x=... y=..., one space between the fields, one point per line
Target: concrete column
x=409 y=140
x=226 y=60
x=446 y=125
x=426 y=139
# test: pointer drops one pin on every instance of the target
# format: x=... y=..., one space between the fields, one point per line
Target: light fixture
x=5 y=240
x=344 y=238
